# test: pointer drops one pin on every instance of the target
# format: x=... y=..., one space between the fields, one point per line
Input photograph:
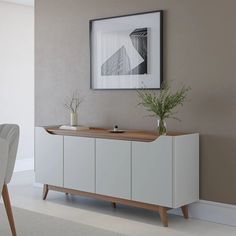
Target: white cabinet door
x=152 y=171
x=79 y=163
x=113 y=168
x=48 y=158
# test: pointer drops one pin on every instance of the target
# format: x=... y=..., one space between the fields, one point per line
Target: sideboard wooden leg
x=185 y=211
x=113 y=205
x=45 y=191
x=163 y=215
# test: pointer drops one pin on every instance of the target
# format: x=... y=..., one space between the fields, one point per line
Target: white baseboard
x=211 y=211
x=24 y=164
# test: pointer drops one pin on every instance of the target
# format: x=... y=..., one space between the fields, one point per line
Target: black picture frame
x=109 y=73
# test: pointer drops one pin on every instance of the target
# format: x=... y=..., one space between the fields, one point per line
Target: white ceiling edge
x=21 y=2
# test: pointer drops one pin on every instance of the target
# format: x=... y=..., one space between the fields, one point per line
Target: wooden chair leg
x=185 y=211
x=7 y=203
x=113 y=205
x=163 y=215
x=45 y=191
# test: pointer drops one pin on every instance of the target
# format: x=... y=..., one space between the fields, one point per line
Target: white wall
x=17 y=72
x=22 y=2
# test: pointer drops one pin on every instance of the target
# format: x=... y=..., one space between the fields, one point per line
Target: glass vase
x=73 y=118
x=161 y=127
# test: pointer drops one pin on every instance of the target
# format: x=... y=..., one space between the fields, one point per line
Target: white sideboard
x=135 y=168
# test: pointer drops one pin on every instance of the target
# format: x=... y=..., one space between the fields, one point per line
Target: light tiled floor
x=126 y=220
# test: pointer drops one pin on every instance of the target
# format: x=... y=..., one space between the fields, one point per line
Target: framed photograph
x=126 y=51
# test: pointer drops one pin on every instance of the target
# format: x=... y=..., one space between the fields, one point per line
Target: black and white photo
x=126 y=51
x=127 y=54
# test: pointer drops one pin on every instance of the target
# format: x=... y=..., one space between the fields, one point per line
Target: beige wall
x=17 y=72
x=200 y=50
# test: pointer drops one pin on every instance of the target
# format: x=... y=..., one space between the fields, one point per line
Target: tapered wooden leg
x=163 y=215
x=113 y=205
x=7 y=203
x=185 y=211
x=45 y=191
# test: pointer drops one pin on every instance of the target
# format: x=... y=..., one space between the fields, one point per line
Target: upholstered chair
x=9 y=138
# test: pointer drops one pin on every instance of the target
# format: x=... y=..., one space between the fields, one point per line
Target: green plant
x=162 y=103
x=72 y=103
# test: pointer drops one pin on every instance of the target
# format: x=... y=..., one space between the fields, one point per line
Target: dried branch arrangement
x=72 y=103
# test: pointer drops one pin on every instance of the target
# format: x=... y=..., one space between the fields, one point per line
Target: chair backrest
x=10 y=133
x=3 y=161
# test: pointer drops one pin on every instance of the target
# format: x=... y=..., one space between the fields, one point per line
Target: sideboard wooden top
x=129 y=135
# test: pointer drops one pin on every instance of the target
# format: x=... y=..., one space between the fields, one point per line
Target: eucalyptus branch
x=162 y=104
